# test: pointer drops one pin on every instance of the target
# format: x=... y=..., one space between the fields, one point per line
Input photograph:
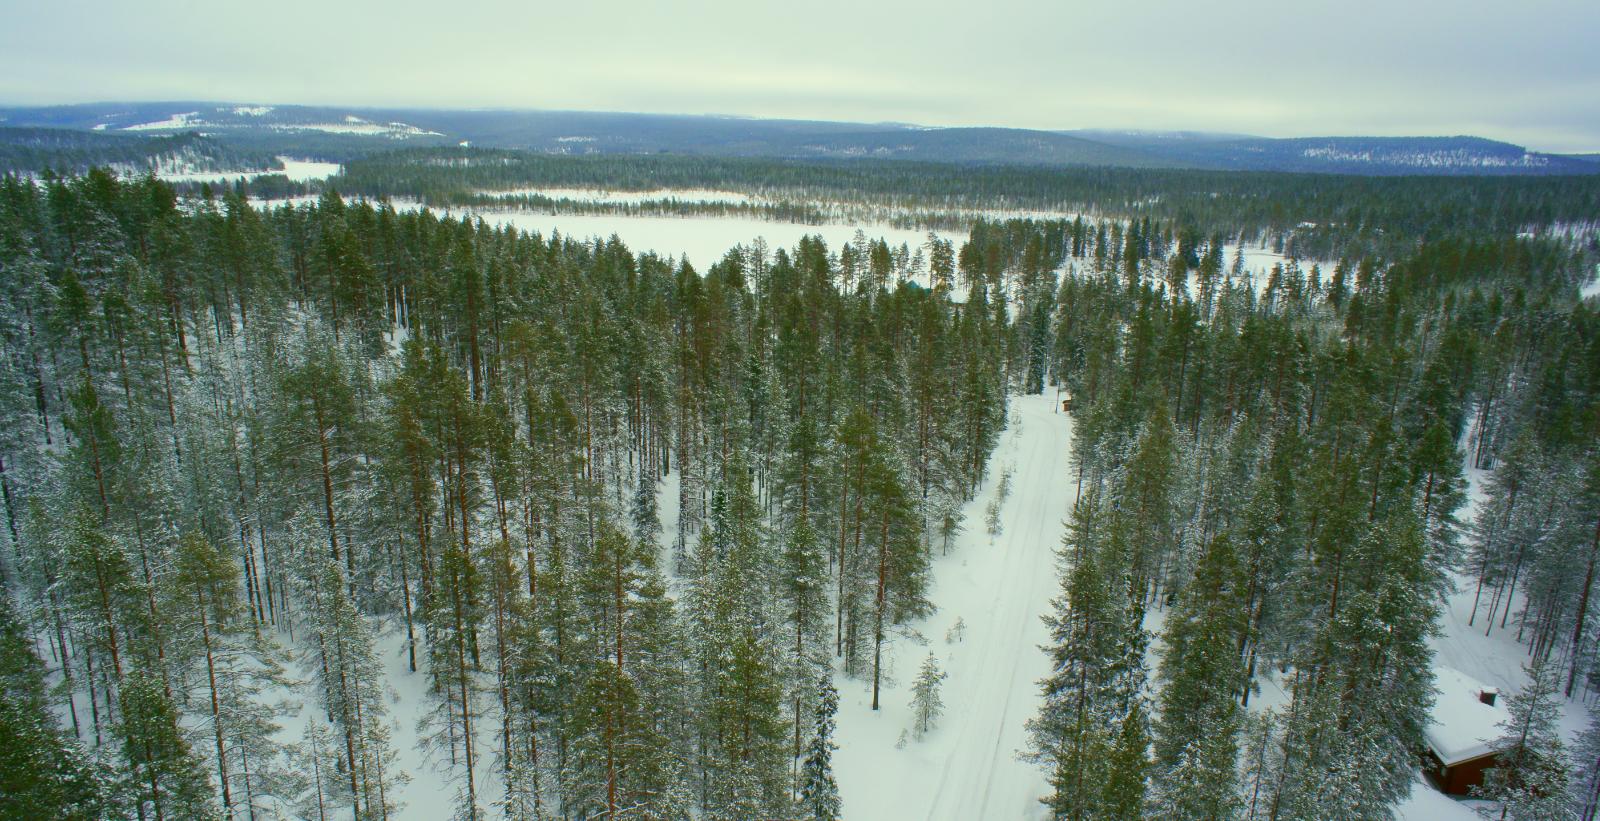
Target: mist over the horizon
x=1426 y=68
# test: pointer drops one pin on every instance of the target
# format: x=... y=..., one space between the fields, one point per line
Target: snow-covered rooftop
x=1463 y=727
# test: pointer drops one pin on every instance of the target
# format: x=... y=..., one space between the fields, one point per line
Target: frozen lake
x=608 y=197
x=703 y=240
x=295 y=170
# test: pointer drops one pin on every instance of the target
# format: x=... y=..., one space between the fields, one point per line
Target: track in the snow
x=968 y=768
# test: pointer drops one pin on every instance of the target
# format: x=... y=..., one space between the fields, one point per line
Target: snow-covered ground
x=360 y=127
x=834 y=210
x=349 y=125
x=606 y=197
x=295 y=170
x=431 y=790
x=702 y=240
x=1492 y=656
x=705 y=239
x=176 y=121
x=967 y=768
x=1257 y=262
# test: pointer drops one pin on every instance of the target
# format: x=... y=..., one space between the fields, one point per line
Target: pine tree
x=244 y=755
x=739 y=703
x=313 y=432
x=900 y=563
x=1196 y=740
x=321 y=777
x=646 y=521
x=622 y=727
x=1146 y=493
x=1259 y=764
x=803 y=584
x=350 y=690
x=926 y=708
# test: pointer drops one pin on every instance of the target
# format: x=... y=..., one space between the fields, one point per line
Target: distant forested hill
x=1350 y=155
x=343 y=133
x=66 y=152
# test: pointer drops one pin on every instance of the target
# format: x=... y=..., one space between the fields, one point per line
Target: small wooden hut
x=1463 y=731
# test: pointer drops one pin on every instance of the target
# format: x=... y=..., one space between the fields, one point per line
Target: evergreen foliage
x=238 y=440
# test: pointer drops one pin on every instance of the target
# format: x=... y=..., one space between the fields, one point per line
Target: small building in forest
x=1462 y=731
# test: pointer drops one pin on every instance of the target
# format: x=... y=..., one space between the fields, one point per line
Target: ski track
x=968 y=767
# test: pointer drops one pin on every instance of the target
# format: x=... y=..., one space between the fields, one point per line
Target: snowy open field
x=603 y=197
x=704 y=240
x=295 y=170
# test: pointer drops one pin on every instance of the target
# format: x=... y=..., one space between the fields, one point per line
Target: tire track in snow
x=971 y=784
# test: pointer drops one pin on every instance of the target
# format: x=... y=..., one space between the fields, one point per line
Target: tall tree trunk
x=327 y=481
x=1583 y=609
x=877 y=633
x=216 y=709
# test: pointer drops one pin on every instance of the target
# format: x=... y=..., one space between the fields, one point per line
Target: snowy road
x=968 y=767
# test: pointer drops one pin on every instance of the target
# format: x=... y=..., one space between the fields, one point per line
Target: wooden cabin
x=1462 y=732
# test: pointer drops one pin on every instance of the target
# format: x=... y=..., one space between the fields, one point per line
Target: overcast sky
x=1527 y=71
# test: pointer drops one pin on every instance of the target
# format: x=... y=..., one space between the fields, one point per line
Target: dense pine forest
x=1281 y=473
x=1317 y=216
x=637 y=522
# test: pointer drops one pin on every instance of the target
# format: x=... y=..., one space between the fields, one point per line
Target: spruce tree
x=1586 y=772
x=1128 y=769
x=1096 y=650
x=164 y=774
x=926 y=707
x=819 y=794
x=43 y=771
x=1532 y=773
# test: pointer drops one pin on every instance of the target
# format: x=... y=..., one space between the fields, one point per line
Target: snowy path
x=968 y=768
